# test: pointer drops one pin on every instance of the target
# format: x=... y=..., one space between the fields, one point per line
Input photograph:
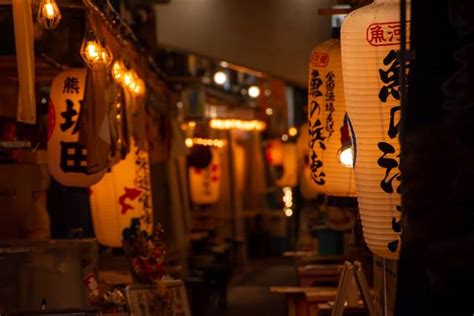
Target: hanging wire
x=403 y=58
x=121 y=30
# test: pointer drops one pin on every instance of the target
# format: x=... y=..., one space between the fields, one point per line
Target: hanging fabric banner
x=95 y=125
x=25 y=59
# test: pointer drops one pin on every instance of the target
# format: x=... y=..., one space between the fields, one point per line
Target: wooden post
x=236 y=204
x=385 y=285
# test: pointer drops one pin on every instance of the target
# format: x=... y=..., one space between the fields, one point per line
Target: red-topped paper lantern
x=205 y=183
x=67 y=158
x=330 y=147
x=370 y=41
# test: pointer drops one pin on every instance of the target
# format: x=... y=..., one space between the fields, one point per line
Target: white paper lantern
x=205 y=184
x=289 y=177
x=370 y=40
x=67 y=158
x=308 y=188
x=124 y=193
x=326 y=113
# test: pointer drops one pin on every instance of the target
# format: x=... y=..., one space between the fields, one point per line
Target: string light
x=118 y=71
x=127 y=78
x=226 y=124
x=220 y=77
x=288 y=201
x=48 y=14
x=254 y=91
x=269 y=111
x=346 y=158
x=292 y=131
x=190 y=142
x=96 y=55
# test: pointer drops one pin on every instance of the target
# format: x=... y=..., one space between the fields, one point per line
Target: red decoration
x=131 y=194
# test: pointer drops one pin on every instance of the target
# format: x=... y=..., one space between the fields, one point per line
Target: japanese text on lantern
x=383 y=34
x=319 y=59
x=142 y=182
x=389 y=95
x=73 y=154
x=330 y=99
x=316 y=137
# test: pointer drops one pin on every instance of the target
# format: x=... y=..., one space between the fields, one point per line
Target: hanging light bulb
x=96 y=55
x=220 y=77
x=139 y=87
x=292 y=131
x=48 y=14
x=118 y=71
x=254 y=91
x=346 y=158
x=127 y=78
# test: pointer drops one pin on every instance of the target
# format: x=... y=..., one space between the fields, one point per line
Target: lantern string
x=121 y=31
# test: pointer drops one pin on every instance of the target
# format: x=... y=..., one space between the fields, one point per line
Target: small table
x=324 y=309
x=296 y=297
x=311 y=274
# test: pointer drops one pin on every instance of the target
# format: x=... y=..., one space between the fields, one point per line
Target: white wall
x=274 y=36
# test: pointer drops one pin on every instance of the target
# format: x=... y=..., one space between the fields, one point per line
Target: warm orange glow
x=48 y=14
x=118 y=71
x=253 y=125
x=219 y=143
x=292 y=131
x=94 y=53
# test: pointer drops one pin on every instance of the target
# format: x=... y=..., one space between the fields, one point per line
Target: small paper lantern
x=308 y=188
x=67 y=158
x=289 y=177
x=326 y=113
x=370 y=41
x=124 y=193
x=205 y=183
x=274 y=152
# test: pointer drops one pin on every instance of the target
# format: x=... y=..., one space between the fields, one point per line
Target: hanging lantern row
x=360 y=75
x=227 y=124
x=129 y=79
x=190 y=142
